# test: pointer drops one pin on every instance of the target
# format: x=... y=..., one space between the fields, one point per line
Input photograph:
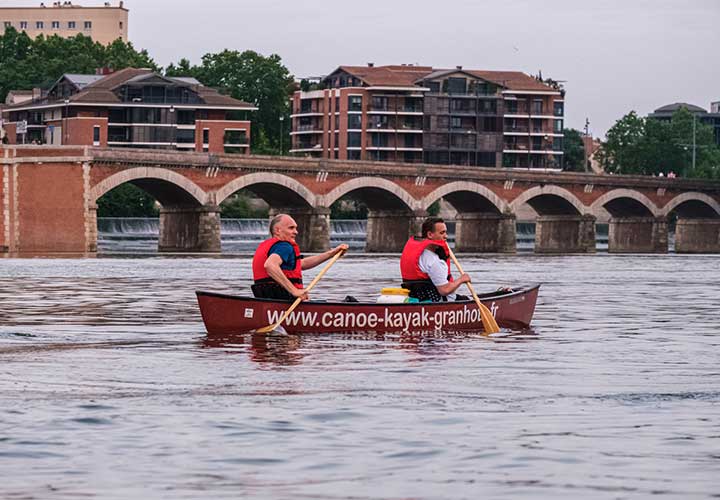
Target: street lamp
x=282 y=119
x=65 y=125
x=173 y=125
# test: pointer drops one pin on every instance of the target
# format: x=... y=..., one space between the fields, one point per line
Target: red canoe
x=227 y=314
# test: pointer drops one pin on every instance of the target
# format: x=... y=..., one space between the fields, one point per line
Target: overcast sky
x=614 y=55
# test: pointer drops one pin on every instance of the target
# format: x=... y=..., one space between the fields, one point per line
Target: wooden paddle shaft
x=488 y=319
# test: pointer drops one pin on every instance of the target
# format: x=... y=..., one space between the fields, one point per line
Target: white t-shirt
x=430 y=264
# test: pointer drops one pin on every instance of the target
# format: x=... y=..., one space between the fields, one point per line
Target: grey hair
x=274 y=222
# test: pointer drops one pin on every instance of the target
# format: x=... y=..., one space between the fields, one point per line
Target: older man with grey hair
x=278 y=264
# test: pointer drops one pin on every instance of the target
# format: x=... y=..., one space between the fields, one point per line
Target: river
x=110 y=387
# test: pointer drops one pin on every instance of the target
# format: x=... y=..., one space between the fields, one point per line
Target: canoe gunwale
x=485 y=296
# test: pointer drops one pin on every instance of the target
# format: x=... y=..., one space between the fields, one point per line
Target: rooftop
x=412 y=75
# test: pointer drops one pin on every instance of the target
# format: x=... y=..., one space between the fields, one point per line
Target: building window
x=96 y=135
x=379 y=103
x=355 y=122
x=456 y=85
x=121 y=25
x=559 y=108
x=88 y=25
x=455 y=122
x=55 y=25
x=23 y=25
x=511 y=107
x=379 y=140
x=71 y=25
x=355 y=103
x=353 y=139
x=305 y=106
x=537 y=106
x=39 y=25
x=353 y=155
x=433 y=86
x=7 y=24
x=235 y=138
x=206 y=136
x=558 y=126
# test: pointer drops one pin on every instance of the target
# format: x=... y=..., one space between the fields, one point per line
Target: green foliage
x=126 y=200
x=239 y=206
x=254 y=78
x=26 y=63
x=573 y=151
x=348 y=209
x=646 y=146
x=434 y=209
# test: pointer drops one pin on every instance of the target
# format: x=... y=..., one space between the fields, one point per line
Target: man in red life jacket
x=425 y=265
x=278 y=264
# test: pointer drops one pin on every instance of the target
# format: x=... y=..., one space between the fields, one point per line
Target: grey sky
x=615 y=55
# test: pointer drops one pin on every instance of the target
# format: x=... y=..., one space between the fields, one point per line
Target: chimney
x=371 y=65
x=104 y=71
x=36 y=93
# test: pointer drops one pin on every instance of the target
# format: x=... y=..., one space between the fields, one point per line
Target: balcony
x=307 y=129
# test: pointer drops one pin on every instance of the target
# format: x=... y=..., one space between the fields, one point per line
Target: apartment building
x=103 y=24
x=414 y=114
x=132 y=108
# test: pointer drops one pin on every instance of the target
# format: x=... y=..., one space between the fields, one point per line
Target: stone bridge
x=48 y=201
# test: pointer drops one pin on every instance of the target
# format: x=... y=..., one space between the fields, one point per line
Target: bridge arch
x=465 y=186
x=702 y=203
x=377 y=183
x=166 y=186
x=616 y=202
x=548 y=191
x=267 y=178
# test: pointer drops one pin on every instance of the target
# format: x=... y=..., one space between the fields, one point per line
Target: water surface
x=110 y=388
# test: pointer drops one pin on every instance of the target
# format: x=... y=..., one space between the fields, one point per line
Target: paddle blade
x=271 y=330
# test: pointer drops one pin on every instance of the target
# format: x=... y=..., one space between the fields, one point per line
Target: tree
x=573 y=151
x=636 y=145
x=126 y=200
x=622 y=150
x=254 y=78
x=26 y=63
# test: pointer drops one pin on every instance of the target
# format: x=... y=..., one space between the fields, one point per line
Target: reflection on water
x=110 y=387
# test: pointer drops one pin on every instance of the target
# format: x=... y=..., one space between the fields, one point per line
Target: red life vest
x=261 y=254
x=410 y=258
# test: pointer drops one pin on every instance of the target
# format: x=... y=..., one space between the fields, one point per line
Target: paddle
x=270 y=328
x=488 y=321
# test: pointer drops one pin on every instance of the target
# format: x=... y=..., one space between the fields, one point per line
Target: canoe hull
x=228 y=314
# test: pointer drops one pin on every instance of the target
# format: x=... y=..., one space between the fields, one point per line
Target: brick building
x=102 y=24
x=418 y=114
x=132 y=108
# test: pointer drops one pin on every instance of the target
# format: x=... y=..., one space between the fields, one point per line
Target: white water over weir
x=140 y=234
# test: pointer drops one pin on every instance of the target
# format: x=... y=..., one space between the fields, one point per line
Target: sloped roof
x=671 y=108
x=81 y=81
x=100 y=89
x=513 y=80
x=410 y=75
x=393 y=75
